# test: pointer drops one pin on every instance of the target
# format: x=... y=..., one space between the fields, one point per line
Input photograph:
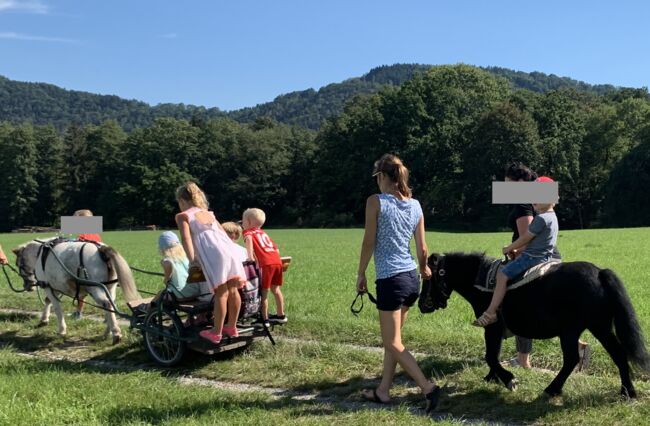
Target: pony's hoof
x=62 y=333
x=42 y=324
x=512 y=385
x=552 y=393
x=117 y=339
x=491 y=378
x=628 y=392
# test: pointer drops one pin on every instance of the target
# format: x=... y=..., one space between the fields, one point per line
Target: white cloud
x=169 y=35
x=29 y=37
x=29 y=6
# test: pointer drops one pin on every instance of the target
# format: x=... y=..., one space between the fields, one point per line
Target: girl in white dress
x=207 y=244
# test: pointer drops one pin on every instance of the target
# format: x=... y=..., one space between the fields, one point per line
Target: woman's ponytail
x=392 y=166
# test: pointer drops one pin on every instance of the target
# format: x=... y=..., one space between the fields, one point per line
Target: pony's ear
x=17 y=250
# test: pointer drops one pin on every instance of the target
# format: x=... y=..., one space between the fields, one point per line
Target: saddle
x=486 y=280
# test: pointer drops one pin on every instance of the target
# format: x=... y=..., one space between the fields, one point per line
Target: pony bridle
x=438 y=275
x=29 y=277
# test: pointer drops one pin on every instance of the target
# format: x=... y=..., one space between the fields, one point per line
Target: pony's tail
x=124 y=275
x=627 y=326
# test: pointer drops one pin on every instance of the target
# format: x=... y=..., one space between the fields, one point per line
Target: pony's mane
x=459 y=257
x=23 y=245
x=463 y=255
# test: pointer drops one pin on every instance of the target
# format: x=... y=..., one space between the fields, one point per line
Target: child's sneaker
x=232 y=332
x=280 y=319
x=211 y=336
x=262 y=323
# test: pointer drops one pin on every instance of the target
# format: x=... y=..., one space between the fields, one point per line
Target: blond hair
x=192 y=194
x=392 y=166
x=83 y=212
x=174 y=252
x=233 y=230
x=256 y=216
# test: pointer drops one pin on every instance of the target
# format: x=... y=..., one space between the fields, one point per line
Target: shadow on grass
x=27 y=343
x=20 y=317
x=492 y=405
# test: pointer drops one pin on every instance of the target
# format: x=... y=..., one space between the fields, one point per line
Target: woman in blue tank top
x=393 y=217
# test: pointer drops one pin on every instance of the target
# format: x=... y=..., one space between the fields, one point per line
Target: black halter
x=435 y=292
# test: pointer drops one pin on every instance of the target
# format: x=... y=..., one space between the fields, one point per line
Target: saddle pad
x=533 y=273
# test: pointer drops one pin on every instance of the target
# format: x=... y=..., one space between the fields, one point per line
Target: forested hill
x=42 y=103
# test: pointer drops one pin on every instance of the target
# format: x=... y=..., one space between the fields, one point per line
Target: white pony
x=35 y=265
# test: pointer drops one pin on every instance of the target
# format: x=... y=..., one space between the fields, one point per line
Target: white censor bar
x=525 y=192
x=81 y=224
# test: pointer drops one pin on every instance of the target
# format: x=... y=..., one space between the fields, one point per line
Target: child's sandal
x=485 y=319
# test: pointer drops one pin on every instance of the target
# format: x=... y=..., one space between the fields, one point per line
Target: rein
x=11 y=286
x=359 y=296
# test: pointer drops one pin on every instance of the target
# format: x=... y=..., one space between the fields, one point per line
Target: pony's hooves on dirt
x=512 y=385
x=117 y=339
x=42 y=324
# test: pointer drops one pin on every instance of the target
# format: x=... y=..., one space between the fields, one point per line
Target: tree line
x=456 y=128
x=42 y=103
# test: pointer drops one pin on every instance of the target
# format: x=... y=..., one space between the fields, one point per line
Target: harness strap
x=81 y=269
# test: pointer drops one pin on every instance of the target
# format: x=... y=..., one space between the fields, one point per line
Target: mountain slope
x=42 y=103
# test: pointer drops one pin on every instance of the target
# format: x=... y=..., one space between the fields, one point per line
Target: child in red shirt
x=93 y=238
x=262 y=249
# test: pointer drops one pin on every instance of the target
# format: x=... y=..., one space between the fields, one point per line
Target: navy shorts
x=397 y=291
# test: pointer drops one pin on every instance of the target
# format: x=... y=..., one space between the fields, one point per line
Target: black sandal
x=375 y=398
x=432 y=399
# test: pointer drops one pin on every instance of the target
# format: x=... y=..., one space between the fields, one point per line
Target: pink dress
x=215 y=251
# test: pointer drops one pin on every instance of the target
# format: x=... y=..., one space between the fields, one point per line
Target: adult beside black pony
x=575 y=297
x=393 y=218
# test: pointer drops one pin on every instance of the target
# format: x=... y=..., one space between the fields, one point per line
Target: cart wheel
x=162 y=334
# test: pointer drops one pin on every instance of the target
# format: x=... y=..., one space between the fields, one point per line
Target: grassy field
x=324 y=350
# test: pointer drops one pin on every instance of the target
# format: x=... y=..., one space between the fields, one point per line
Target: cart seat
x=194 y=306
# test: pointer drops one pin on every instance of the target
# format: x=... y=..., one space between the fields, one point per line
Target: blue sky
x=232 y=54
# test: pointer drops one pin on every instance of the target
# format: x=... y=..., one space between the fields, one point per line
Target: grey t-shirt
x=545 y=228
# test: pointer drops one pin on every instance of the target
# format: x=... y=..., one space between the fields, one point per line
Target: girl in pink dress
x=207 y=244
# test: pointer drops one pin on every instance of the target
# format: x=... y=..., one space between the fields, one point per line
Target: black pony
x=575 y=297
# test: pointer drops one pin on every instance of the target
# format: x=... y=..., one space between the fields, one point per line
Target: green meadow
x=324 y=350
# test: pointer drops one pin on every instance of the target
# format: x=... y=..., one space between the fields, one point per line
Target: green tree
x=49 y=176
x=18 y=167
x=503 y=135
x=561 y=119
x=627 y=201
